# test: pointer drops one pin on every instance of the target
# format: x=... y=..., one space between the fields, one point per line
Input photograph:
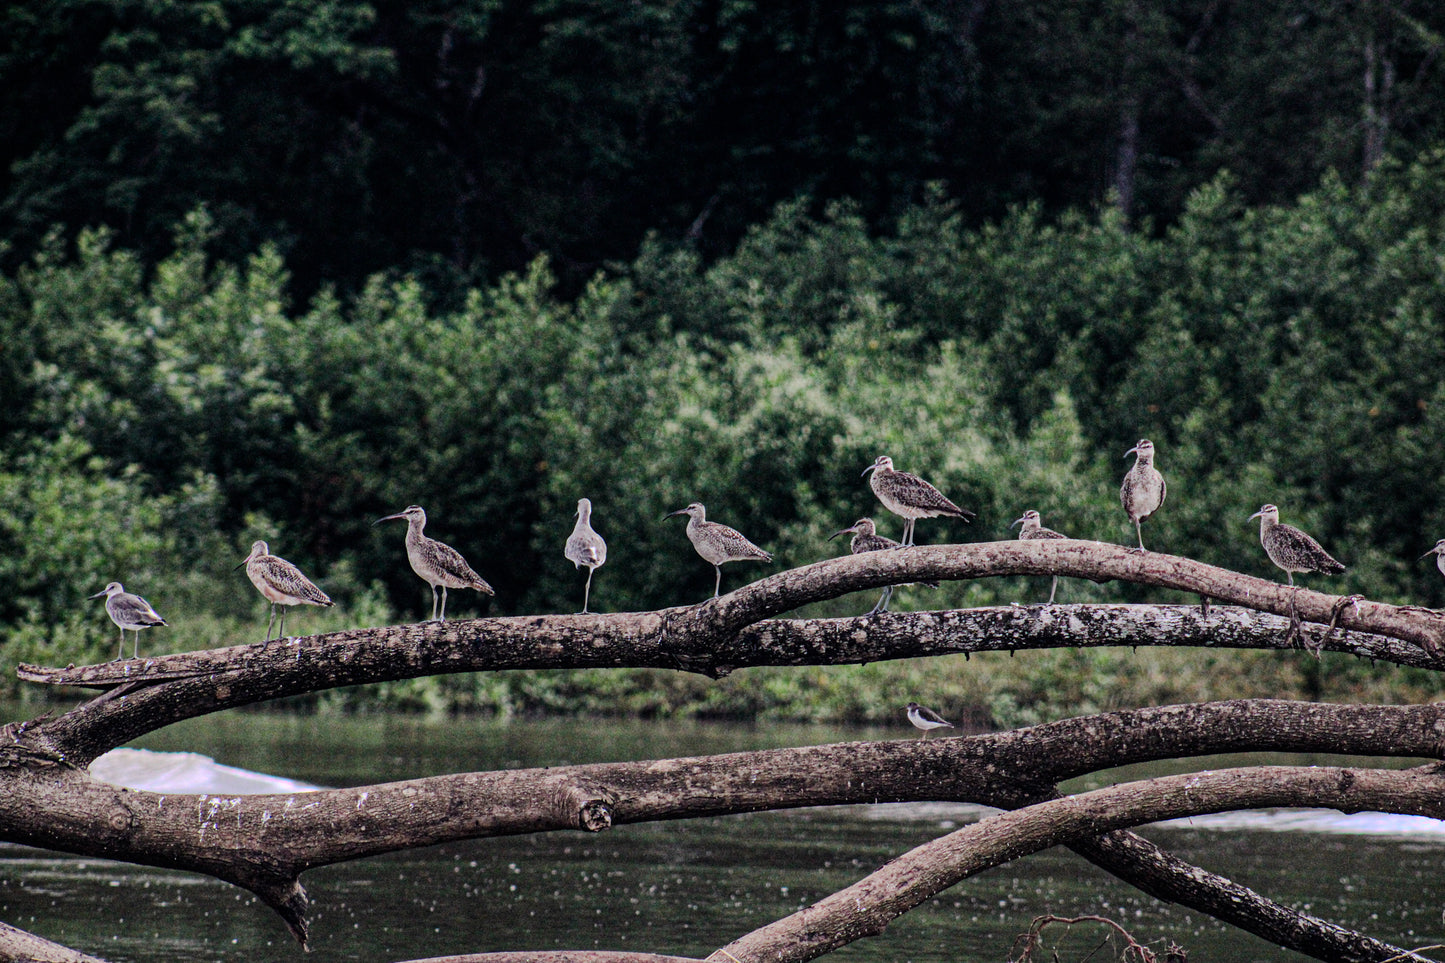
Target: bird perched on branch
x=1439 y=552
x=281 y=583
x=585 y=547
x=438 y=564
x=1291 y=549
x=866 y=539
x=129 y=612
x=1144 y=489
x=926 y=719
x=717 y=543
x=1032 y=529
x=909 y=497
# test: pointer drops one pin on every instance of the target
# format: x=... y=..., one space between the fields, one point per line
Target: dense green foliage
x=456 y=139
x=157 y=421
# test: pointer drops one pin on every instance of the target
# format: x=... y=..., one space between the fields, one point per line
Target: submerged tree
x=265 y=842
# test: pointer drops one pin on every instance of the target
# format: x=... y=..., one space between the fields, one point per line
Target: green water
x=677 y=887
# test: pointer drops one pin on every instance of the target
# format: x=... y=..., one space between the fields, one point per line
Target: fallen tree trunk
x=265 y=843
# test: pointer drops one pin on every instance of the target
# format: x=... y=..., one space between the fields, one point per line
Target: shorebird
x=438 y=564
x=866 y=539
x=717 y=543
x=1291 y=549
x=585 y=547
x=281 y=583
x=909 y=496
x=1144 y=489
x=1439 y=552
x=1031 y=529
x=926 y=719
x=129 y=612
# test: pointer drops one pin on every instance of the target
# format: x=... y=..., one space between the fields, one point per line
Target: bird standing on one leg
x=909 y=497
x=926 y=719
x=717 y=543
x=1032 y=529
x=866 y=539
x=438 y=564
x=129 y=612
x=1144 y=489
x=281 y=583
x=585 y=547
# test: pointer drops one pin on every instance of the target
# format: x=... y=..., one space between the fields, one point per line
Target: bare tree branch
x=866 y=907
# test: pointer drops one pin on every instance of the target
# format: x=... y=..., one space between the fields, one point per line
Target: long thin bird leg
x=882 y=605
x=120 y=652
x=281 y=632
x=1054 y=587
x=587 y=592
x=270 y=622
x=444 y=603
x=717 y=586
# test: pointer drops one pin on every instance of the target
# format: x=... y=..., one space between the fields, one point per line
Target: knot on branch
x=588 y=809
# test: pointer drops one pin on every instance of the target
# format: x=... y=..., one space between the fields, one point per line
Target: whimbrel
x=1439 y=552
x=866 y=539
x=717 y=543
x=585 y=547
x=438 y=564
x=129 y=612
x=926 y=719
x=1291 y=549
x=1144 y=489
x=1031 y=529
x=909 y=496
x=281 y=583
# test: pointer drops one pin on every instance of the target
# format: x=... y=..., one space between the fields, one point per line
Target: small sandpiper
x=909 y=497
x=129 y=612
x=585 y=547
x=717 y=543
x=438 y=564
x=281 y=583
x=866 y=539
x=1144 y=488
x=926 y=719
x=1032 y=529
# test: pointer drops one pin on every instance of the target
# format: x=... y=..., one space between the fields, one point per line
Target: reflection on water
x=681 y=887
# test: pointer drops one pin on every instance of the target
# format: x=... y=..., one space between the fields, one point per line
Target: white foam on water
x=186 y=772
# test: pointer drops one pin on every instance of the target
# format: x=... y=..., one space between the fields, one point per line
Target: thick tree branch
x=720 y=635
x=264 y=842
x=19 y=945
x=866 y=907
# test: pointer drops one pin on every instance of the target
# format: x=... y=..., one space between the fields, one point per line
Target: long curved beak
x=1016 y=521
x=680 y=511
x=1433 y=551
x=868 y=469
x=845 y=531
x=1131 y=451
x=1261 y=512
x=389 y=518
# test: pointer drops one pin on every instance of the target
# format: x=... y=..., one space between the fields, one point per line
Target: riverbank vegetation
x=160 y=418
x=273 y=272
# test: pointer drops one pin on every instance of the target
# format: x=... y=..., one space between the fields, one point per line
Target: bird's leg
x=908 y=531
x=717 y=586
x=444 y=603
x=134 y=649
x=1139 y=531
x=587 y=592
x=120 y=652
x=281 y=632
x=882 y=605
x=1052 y=589
x=270 y=621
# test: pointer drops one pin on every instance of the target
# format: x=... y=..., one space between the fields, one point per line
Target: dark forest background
x=274 y=269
